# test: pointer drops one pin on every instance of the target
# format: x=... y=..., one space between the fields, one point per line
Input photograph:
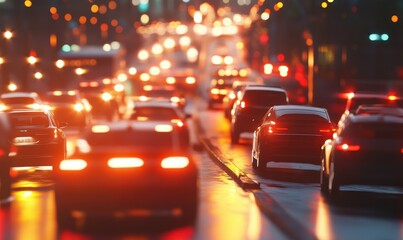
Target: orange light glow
x=73 y=164
x=163 y=128
x=347 y=147
x=125 y=162
x=100 y=129
x=175 y=162
x=392 y=98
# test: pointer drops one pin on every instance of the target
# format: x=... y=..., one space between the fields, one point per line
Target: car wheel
x=235 y=136
x=254 y=162
x=261 y=161
x=324 y=180
x=189 y=209
x=63 y=216
x=333 y=186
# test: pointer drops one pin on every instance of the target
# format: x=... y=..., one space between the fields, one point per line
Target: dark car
x=291 y=133
x=104 y=105
x=164 y=112
x=21 y=100
x=367 y=149
x=37 y=137
x=354 y=100
x=70 y=107
x=251 y=106
x=219 y=88
x=130 y=169
x=6 y=152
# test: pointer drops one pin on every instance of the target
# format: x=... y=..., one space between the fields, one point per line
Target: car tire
x=324 y=179
x=261 y=161
x=254 y=162
x=235 y=136
x=64 y=218
x=189 y=208
x=333 y=183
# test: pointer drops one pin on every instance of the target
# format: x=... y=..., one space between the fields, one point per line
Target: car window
x=133 y=138
x=18 y=100
x=264 y=98
x=29 y=120
x=374 y=130
x=154 y=113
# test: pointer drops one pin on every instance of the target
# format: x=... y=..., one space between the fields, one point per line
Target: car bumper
x=121 y=190
x=369 y=169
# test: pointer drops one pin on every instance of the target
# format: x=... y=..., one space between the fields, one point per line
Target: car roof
x=19 y=94
x=300 y=109
x=155 y=103
x=264 y=88
x=380 y=109
x=369 y=95
x=374 y=118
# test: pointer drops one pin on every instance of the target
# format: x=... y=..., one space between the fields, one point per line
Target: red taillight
x=401 y=150
x=175 y=162
x=277 y=129
x=347 y=147
x=2 y=152
x=325 y=130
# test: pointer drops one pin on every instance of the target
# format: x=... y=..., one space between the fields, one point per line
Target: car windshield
x=29 y=119
x=18 y=100
x=265 y=98
x=130 y=138
x=60 y=99
x=374 y=130
x=155 y=113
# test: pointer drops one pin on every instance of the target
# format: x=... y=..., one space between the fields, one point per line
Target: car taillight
x=348 y=147
x=243 y=104
x=125 y=162
x=175 y=162
x=401 y=150
x=72 y=164
x=274 y=129
x=78 y=107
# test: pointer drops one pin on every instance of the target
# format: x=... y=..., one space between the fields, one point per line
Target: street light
x=8 y=34
x=32 y=60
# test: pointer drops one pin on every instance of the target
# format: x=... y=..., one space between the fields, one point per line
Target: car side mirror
x=62 y=124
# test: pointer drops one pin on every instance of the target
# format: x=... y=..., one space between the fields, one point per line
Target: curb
x=229 y=167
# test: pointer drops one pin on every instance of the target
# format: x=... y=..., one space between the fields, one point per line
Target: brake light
x=125 y=162
x=392 y=98
x=401 y=150
x=2 y=152
x=243 y=104
x=78 y=107
x=175 y=162
x=348 y=148
x=325 y=130
x=72 y=164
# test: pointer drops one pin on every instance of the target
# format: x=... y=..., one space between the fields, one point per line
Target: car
x=229 y=99
x=379 y=109
x=69 y=106
x=163 y=112
x=252 y=104
x=163 y=92
x=365 y=150
x=6 y=152
x=104 y=105
x=290 y=133
x=127 y=168
x=354 y=100
x=219 y=87
x=38 y=138
x=21 y=100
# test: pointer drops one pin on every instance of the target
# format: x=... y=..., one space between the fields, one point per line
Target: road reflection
x=323 y=223
x=26 y=208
